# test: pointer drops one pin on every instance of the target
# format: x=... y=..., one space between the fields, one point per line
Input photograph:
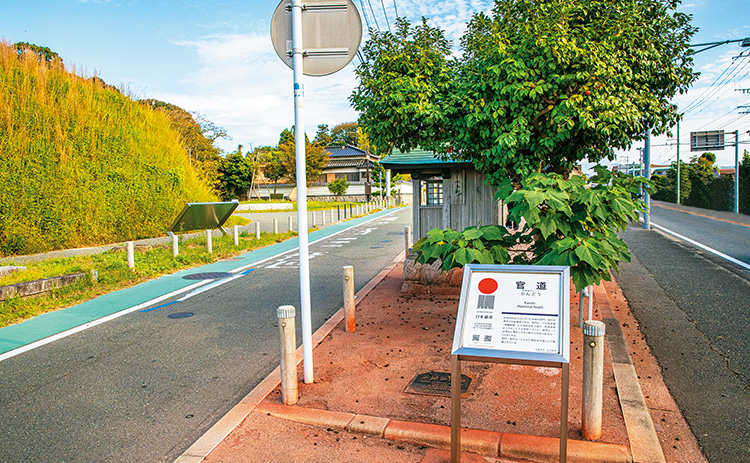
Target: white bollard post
x=289 y=394
x=209 y=243
x=275 y=226
x=236 y=235
x=593 y=368
x=314 y=224
x=591 y=302
x=349 y=298
x=289 y=224
x=257 y=230
x=407 y=239
x=175 y=246
x=131 y=254
x=332 y=219
x=323 y=218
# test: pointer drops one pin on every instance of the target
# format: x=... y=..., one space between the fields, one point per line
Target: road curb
x=222 y=428
x=487 y=443
x=644 y=443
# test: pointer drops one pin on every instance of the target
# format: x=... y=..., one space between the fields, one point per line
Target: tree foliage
x=237 y=173
x=537 y=88
x=571 y=222
x=197 y=135
x=43 y=53
x=539 y=85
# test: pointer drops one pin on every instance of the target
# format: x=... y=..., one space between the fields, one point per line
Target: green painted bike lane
x=48 y=327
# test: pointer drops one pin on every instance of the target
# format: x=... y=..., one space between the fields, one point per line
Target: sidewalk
x=358 y=411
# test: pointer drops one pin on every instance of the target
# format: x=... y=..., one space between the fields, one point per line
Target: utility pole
x=647 y=172
x=678 y=161
x=736 y=171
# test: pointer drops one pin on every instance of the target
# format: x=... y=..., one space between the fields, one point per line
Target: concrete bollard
x=257 y=230
x=131 y=254
x=593 y=368
x=289 y=224
x=289 y=394
x=175 y=246
x=407 y=239
x=236 y=230
x=275 y=226
x=349 y=298
x=209 y=242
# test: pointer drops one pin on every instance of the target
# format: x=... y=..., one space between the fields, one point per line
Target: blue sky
x=215 y=57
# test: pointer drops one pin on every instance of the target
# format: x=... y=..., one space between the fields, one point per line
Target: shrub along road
x=143 y=386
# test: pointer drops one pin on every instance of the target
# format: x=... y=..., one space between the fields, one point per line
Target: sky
x=215 y=58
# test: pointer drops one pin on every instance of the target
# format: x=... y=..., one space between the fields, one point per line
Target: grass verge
x=114 y=274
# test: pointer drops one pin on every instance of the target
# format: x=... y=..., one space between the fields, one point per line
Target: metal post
x=236 y=230
x=407 y=239
x=647 y=171
x=591 y=302
x=322 y=218
x=289 y=224
x=593 y=368
x=131 y=254
x=736 y=171
x=175 y=245
x=275 y=226
x=289 y=394
x=299 y=141
x=257 y=230
x=388 y=184
x=455 y=409
x=338 y=211
x=564 y=412
x=678 y=162
x=314 y=225
x=209 y=243
x=349 y=298
x=581 y=295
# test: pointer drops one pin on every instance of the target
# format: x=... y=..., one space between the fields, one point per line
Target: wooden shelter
x=447 y=194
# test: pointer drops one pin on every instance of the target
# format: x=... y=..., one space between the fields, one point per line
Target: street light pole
x=647 y=172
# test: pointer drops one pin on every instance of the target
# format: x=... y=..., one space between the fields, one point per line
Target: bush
x=338 y=187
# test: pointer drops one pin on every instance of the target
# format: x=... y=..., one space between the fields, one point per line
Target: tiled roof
x=347 y=163
x=346 y=151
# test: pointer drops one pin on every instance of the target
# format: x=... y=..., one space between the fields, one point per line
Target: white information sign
x=514 y=312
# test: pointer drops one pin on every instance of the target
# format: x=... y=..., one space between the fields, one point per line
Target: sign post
x=317 y=37
x=514 y=314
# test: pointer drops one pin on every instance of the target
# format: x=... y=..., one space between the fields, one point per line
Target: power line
x=395 y=8
x=714 y=88
x=364 y=13
x=373 y=15
x=385 y=13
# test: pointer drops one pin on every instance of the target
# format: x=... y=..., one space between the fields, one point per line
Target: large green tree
x=538 y=87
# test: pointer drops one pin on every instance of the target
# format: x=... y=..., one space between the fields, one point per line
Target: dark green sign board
x=203 y=216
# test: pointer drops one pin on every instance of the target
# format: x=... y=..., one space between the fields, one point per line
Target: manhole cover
x=180 y=315
x=437 y=383
x=207 y=276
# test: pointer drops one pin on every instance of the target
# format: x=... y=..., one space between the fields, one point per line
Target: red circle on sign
x=487 y=286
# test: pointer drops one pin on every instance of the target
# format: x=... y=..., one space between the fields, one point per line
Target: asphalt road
x=144 y=386
x=694 y=310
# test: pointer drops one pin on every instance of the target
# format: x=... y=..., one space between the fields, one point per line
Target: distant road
x=694 y=309
x=143 y=387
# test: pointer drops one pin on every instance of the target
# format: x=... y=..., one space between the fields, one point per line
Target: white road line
x=99 y=321
x=703 y=246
